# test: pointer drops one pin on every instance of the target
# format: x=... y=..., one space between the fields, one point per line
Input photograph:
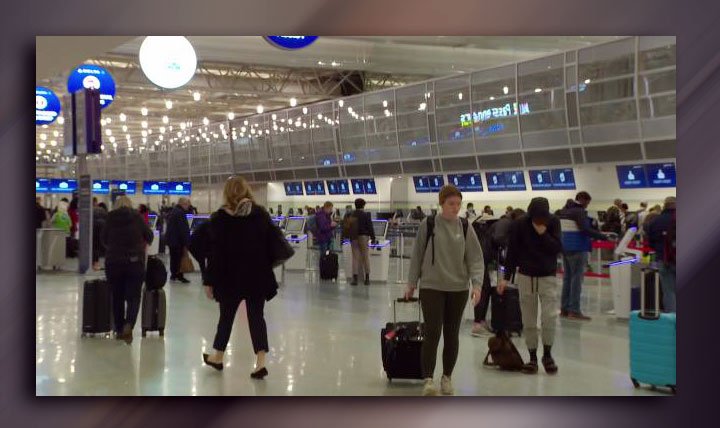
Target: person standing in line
x=508 y=211
x=533 y=248
x=99 y=221
x=240 y=268
x=144 y=212
x=487 y=213
x=417 y=213
x=577 y=232
x=178 y=238
x=325 y=227
x=360 y=240
x=661 y=234
x=40 y=214
x=444 y=263
x=74 y=215
x=61 y=219
x=470 y=214
x=125 y=237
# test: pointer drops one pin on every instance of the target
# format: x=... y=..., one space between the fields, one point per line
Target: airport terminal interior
x=308 y=120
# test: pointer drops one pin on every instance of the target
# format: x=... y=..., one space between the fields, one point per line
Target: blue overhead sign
x=47 y=106
x=293 y=188
x=563 y=179
x=508 y=180
x=370 y=188
x=101 y=186
x=154 y=187
x=291 y=42
x=661 y=174
x=338 y=187
x=631 y=176
x=62 y=185
x=127 y=186
x=93 y=77
x=428 y=183
x=314 y=188
x=540 y=179
x=179 y=188
x=466 y=182
x=42 y=185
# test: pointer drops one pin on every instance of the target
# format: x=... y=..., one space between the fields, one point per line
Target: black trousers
x=256 y=323
x=486 y=290
x=176 y=253
x=126 y=281
x=442 y=313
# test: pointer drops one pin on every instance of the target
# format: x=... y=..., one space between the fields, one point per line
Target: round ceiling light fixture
x=168 y=61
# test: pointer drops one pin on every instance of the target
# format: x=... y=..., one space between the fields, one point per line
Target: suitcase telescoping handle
x=644 y=313
x=404 y=300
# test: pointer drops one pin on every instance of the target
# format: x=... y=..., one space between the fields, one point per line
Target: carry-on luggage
x=329 y=266
x=652 y=340
x=154 y=311
x=505 y=311
x=97 y=308
x=400 y=344
x=155 y=273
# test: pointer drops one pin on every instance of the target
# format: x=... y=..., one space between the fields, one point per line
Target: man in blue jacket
x=577 y=232
x=661 y=234
x=178 y=237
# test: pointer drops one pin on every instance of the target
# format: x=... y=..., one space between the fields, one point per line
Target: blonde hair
x=122 y=202
x=236 y=189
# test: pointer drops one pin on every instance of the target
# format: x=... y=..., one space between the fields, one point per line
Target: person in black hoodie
x=533 y=247
x=240 y=268
x=125 y=237
x=178 y=237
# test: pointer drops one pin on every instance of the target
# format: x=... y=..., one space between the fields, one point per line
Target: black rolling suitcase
x=400 y=344
x=97 y=308
x=329 y=266
x=505 y=311
x=154 y=311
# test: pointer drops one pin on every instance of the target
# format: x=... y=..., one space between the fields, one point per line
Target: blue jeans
x=325 y=247
x=667 y=283
x=574 y=265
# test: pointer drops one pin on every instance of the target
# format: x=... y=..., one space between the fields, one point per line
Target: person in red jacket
x=74 y=216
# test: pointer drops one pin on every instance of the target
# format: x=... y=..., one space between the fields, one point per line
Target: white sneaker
x=480 y=329
x=446 y=386
x=429 y=389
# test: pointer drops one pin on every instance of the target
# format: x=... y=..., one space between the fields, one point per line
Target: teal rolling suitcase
x=652 y=342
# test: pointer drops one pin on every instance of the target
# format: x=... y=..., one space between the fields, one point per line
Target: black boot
x=354 y=280
x=367 y=279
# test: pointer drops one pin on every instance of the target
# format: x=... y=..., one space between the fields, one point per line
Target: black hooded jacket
x=530 y=253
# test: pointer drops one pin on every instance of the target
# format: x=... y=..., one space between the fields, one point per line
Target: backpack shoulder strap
x=464 y=226
x=430 y=224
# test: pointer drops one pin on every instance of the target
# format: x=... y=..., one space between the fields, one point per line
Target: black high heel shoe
x=216 y=366
x=259 y=374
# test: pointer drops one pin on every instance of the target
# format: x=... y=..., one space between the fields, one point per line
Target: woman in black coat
x=240 y=268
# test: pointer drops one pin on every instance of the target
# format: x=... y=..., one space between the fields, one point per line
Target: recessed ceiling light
x=168 y=104
x=506 y=90
x=165 y=119
x=538 y=90
x=144 y=111
x=293 y=102
x=260 y=109
x=196 y=96
x=231 y=115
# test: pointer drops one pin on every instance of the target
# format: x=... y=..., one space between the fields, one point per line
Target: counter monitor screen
x=370 y=188
x=563 y=179
x=314 y=188
x=661 y=174
x=495 y=181
x=380 y=227
x=42 y=185
x=179 y=188
x=466 y=182
x=101 y=186
x=540 y=179
x=128 y=186
x=197 y=220
x=294 y=188
x=154 y=188
x=631 y=176
x=295 y=225
x=514 y=180
x=358 y=186
x=61 y=185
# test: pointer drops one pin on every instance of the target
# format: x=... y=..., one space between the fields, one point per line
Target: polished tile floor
x=324 y=340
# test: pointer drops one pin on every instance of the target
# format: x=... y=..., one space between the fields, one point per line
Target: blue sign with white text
x=127 y=186
x=540 y=179
x=514 y=180
x=291 y=42
x=47 y=106
x=466 y=182
x=62 y=185
x=563 y=179
x=293 y=188
x=101 y=186
x=314 y=188
x=631 y=176
x=338 y=187
x=369 y=184
x=42 y=185
x=93 y=77
x=358 y=186
x=428 y=183
x=154 y=188
x=661 y=174
x=179 y=188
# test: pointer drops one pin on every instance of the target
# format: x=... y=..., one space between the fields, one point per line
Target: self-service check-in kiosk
x=154 y=247
x=297 y=238
x=623 y=273
x=279 y=222
x=379 y=253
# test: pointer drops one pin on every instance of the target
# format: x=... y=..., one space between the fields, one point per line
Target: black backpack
x=155 y=274
x=431 y=233
x=482 y=230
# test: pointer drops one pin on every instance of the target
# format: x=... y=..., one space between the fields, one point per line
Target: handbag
x=280 y=249
x=186 y=265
